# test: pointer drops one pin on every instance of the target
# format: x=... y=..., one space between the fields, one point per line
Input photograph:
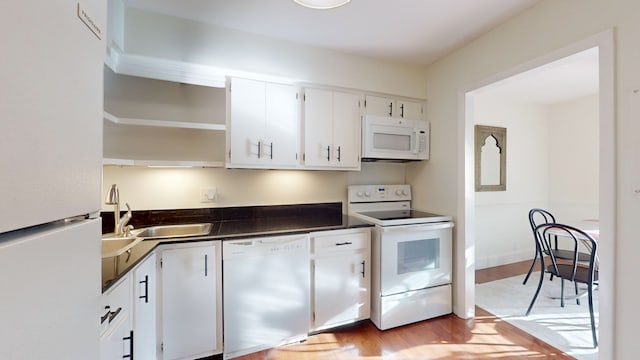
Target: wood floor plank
x=443 y=338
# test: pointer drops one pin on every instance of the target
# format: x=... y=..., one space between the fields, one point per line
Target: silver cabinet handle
x=328 y=153
x=114 y=314
x=259 y=149
x=206 y=264
x=402 y=110
x=104 y=317
x=339 y=155
x=390 y=108
x=362 y=272
x=344 y=243
x=271 y=147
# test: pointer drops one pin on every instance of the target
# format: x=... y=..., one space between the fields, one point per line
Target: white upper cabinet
x=331 y=129
x=263 y=121
x=154 y=122
x=387 y=106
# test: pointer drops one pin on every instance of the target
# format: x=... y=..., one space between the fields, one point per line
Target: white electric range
x=411 y=255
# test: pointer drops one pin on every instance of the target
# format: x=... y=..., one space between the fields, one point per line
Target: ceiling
x=415 y=32
x=409 y=31
x=561 y=80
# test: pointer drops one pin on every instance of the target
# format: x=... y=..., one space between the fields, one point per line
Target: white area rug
x=567 y=329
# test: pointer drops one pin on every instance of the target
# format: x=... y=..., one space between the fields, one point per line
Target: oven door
x=414 y=257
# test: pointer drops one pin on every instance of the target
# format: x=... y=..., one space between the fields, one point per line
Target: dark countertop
x=227 y=224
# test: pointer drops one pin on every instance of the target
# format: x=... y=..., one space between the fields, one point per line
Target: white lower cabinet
x=340 y=277
x=116 y=339
x=144 y=309
x=191 y=310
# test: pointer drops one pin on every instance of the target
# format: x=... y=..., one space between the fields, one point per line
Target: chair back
x=540 y=216
x=578 y=241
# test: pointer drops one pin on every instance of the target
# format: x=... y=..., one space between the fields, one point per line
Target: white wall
x=527 y=181
x=546 y=27
x=552 y=163
x=574 y=159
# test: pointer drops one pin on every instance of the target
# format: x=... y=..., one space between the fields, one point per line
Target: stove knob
x=399 y=192
x=405 y=192
x=367 y=194
x=359 y=194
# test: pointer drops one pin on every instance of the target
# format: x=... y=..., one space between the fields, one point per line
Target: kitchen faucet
x=113 y=198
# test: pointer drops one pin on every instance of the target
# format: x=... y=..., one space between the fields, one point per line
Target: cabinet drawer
x=339 y=241
x=115 y=305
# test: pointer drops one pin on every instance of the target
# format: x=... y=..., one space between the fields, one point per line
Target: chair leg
x=593 y=319
x=577 y=298
x=533 y=263
x=561 y=292
x=535 y=296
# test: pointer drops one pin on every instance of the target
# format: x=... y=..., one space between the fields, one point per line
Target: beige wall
x=547 y=27
x=177 y=39
x=178 y=188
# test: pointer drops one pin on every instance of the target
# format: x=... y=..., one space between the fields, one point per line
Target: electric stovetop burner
x=401 y=217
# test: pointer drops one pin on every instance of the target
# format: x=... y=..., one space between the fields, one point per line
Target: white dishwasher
x=266 y=285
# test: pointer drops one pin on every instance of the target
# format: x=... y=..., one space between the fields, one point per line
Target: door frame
x=464 y=271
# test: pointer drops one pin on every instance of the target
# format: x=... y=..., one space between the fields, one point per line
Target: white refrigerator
x=50 y=170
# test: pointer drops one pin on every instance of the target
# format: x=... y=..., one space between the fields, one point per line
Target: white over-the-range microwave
x=389 y=138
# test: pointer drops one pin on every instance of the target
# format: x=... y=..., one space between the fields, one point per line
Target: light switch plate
x=208 y=194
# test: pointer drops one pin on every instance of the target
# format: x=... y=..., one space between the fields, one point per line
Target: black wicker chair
x=572 y=269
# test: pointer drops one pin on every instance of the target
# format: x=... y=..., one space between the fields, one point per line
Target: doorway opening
x=468 y=236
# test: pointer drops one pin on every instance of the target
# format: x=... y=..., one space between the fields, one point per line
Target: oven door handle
x=418 y=227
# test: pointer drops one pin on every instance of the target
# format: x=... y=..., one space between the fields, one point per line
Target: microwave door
x=391 y=142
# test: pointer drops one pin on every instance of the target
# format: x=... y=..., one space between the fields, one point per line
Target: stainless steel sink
x=116 y=245
x=170 y=231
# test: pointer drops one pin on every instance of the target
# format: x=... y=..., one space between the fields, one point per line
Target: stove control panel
x=379 y=193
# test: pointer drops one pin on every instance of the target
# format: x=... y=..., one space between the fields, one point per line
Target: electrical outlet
x=208 y=194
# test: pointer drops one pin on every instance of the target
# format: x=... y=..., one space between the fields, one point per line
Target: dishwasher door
x=266 y=286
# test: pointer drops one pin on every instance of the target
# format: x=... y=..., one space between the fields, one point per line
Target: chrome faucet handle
x=122 y=222
x=127 y=230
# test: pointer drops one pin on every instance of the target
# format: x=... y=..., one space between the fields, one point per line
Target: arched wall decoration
x=499 y=134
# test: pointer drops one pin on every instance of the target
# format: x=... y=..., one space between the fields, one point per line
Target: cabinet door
x=408 y=109
x=386 y=106
x=283 y=125
x=117 y=344
x=377 y=105
x=247 y=121
x=318 y=127
x=144 y=309
x=189 y=317
x=346 y=130
x=341 y=286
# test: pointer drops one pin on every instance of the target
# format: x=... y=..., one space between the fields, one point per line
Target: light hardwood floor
x=446 y=337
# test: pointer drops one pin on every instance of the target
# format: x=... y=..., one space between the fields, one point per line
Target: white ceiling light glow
x=322 y=4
